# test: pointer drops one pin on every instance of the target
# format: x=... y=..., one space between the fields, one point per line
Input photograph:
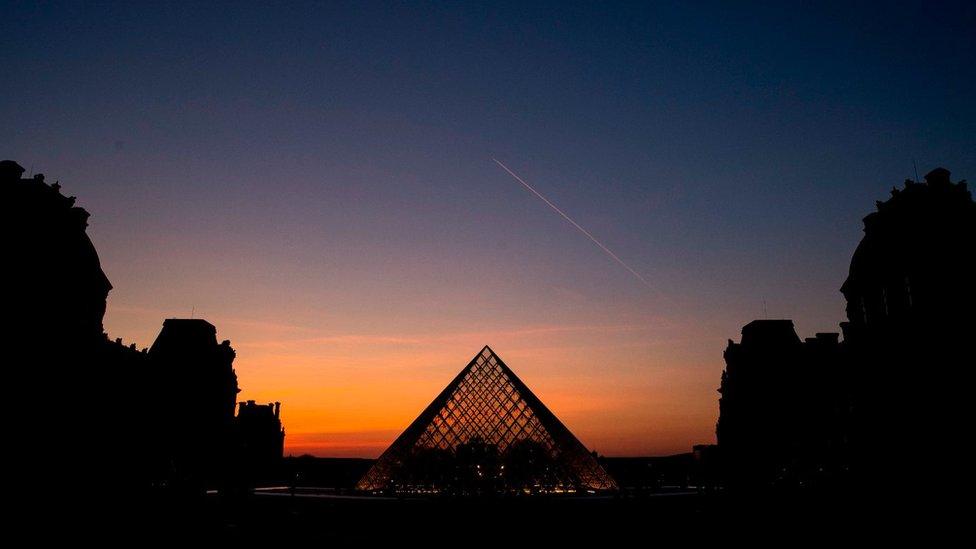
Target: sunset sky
x=317 y=181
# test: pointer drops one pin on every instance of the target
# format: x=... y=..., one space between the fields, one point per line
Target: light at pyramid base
x=486 y=433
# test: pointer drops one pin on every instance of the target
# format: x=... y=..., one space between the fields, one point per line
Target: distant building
x=783 y=405
x=261 y=437
x=196 y=373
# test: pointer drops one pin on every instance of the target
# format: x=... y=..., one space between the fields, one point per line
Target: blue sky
x=327 y=167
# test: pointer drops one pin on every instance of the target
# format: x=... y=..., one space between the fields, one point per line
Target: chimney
x=277 y=409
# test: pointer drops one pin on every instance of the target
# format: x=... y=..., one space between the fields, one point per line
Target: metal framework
x=486 y=432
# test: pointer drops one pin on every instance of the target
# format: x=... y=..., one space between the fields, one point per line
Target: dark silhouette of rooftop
x=781 y=413
x=765 y=333
x=62 y=365
x=102 y=426
x=867 y=412
x=261 y=438
x=60 y=286
x=197 y=375
x=913 y=270
x=911 y=316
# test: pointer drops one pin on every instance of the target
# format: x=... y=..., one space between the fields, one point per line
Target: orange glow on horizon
x=640 y=387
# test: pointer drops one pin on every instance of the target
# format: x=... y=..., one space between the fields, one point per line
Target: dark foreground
x=366 y=520
x=318 y=516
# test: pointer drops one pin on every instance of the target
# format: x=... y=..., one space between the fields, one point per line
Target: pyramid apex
x=486 y=352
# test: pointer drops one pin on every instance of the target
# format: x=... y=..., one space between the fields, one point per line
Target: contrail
x=575 y=224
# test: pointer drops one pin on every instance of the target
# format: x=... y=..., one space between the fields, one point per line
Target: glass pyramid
x=486 y=433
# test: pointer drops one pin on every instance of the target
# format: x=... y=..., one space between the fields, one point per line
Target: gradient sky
x=316 y=180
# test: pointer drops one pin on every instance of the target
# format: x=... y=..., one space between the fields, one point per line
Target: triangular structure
x=486 y=432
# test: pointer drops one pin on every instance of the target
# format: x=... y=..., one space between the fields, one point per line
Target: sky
x=317 y=180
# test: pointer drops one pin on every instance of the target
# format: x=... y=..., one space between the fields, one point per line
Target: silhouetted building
x=876 y=408
x=91 y=418
x=912 y=273
x=261 y=437
x=195 y=372
x=58 y=286
x=53 y=339
x=911 y=301
x=486 y=433
x=103 y=432
x=783 y=409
